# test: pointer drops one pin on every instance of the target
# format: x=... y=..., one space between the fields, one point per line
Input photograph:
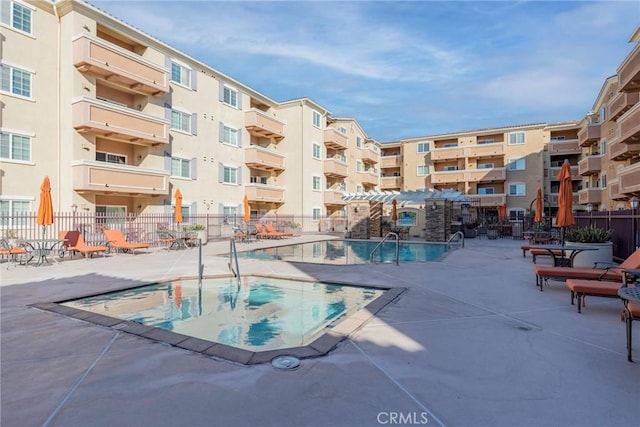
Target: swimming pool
x=254 y=314
x=349 y=252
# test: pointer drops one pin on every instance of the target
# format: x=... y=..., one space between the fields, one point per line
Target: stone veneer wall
x=375 y=221
x=358 y=214
x=438 y=220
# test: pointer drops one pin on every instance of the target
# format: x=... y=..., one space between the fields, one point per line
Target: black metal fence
x=623 y=224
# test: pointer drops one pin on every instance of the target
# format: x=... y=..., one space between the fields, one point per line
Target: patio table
x=42 y=248
x=567 y=253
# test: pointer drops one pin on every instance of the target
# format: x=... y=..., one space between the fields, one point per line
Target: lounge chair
x=262 y=233
x=239 y=234
x=116 y=241
x=631 y=313
x=275 y=232
x=612 y=273
x=598 y=288
x=166 y=237
x=12 y=252
x=74 y=242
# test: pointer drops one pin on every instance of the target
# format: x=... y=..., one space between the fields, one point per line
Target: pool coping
x=321 y=346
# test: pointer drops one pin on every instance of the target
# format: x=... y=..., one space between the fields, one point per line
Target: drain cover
x=285 y=362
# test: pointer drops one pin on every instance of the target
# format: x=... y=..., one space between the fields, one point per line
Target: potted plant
x=200 y=229
x=594 y=237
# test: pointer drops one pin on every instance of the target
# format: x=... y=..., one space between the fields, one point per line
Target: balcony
x=489 y=199
x=484 y=175
x=261 y=193
x=589 y=135
x=554 y=171
x=449 y=153
x=335 y=168
x=629 y=72
x=590 y=165
x=369 y=156
x=629 y=179
x=390 y=182
x=614 y=191
x=335 y=140
x=590 y=195
x=369 y=178
x=111 y=178
x=620 y=103
x=261 y=124
x=111 y=121
x=627 y=142
x=119 y=66
x=262 y=159
x=570 y=146
x=444 y=177
x=391 y=161
x=485 y=150
x=333 y=197
x=553 y=199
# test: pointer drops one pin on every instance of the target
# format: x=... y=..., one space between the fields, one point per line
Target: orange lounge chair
x=582 y=288
x=116 y=240
x=262 y=233
x=275 y=232
x=75 y=243
x=612 y=273
x=631 y=313
x=11 y=252
x=535 y=252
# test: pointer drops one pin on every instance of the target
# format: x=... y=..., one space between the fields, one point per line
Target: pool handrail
x=389 y=234
x=233 y=259
x=459 y=235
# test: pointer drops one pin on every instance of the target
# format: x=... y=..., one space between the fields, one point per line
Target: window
x=230 y=96
x=423 y=147
x=317 y=213
x=15 y=147
x=423 y=170
x=9 y=207
x=180 y=167
x=516 y=138
x=450 y=144
x=450 y=168
x=603 y=146
x=517 y=164
x=359 y=166
x=15 y=81
x=603 y=114
x=603 y=181
x=180 y=74
x=343 y=157
x=316 y=183
x=486 y=190
x=358 y=142
x=486 y=141
x=485 y=166
x=316 y=119
x=557 y=138
x=229 y=174
x=111 y=158
x=517 y=189
x=229 y=211
x=342 y=130
x=358 y=188
x=180 y=121
x=516 y=214
x=16 y=16
x=230 y=136
x=316 y=151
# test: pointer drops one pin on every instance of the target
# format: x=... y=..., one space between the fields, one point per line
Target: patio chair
x=166 y=237
x=116 y=241
x=262 y=233
x=598 y=272
x=74 y=242
x=581 y=288
x=12 y=252
x=631 y=313
x=239 y=234
x=271 y=230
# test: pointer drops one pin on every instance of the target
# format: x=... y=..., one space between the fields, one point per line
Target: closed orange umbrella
x=502 y=211
x=247 y=210
x=177 y=215
x=538 y=217
x=565 y=199
x=45 y=209
x=394 y=211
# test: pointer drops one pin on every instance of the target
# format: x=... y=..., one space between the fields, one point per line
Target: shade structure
x=538 y=216
x=177 y=215
x=565 y=200
x=394 y=210
x=247 y=210
x=45 y=208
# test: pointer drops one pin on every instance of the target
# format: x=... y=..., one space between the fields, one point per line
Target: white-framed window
x=102 y=156
x=16 y=15
x=316 y=151
x=603 y=146
x=316 y=119
x=181 y=121
x=485 y=166
x=343 y=157
x=317 y=182
x=229 y=174
x=359 y=166
x=603 y=180
x=230 y=96
x=450 y=168
x=14 y=146
x=180 y=74
x=516 y=214
x=12 y=211
x=342 y=130
x=15 y=81
x=422 y=170
x=603 y=114
x=316 y=214
x=229 y=210
x=517 y=189
x=516 y=138
x=486 y=190
x=518 y=164
x=358 y=188
x=180 y=167
x=358 y=142
x=230 y=136
x=423 y=147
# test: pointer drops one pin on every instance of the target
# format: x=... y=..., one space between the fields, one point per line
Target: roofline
x=473 y=131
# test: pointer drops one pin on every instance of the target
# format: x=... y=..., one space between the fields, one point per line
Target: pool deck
x=472 y=342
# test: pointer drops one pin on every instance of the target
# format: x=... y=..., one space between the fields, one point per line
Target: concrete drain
x=285 y=362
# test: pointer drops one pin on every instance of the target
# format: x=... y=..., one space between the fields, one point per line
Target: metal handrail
x=459 y=234
x=389 y=234
x=233 y=258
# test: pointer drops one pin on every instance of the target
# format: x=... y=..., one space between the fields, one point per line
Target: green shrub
x=193 y=227
x=587 y=235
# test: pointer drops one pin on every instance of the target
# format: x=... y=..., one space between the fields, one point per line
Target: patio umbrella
x=177 y=215
x=394 y=211
x=45 y=209
x=538 y=217
x=565 y=200
x=502 y=211
x=247 y=210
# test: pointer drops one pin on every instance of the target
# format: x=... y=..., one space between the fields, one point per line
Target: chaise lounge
x=74 y=242
x=117 y=241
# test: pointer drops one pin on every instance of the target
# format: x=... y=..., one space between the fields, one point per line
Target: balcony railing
x=629 y=179
x=498 y=199
x=554 y=171
x=448 y=153
x=475 y=175
x=553 y=199
x=111 y=121
x=629 y=72
x=260 y=158
x=335 y=168
x=369 y=157
x=261 y=193
x=614 y=191
x=484 y=150
x=391 y=161
x=369 y=178
x=620 y=103
x=120 y=66
x=590 y=195
x=390 y=182
x=628 y=133
x=590 y=165
x=589 y=134
x=570 y=146
x=334 y=139
x=261 y=124
x=333 y=197
x=106 y=178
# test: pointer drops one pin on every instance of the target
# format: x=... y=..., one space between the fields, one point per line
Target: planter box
x=604 y=254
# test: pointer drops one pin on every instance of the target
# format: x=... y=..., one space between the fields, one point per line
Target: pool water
x=255 y=313
x=349 y=252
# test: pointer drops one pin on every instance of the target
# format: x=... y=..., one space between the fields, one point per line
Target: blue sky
x=406 y=69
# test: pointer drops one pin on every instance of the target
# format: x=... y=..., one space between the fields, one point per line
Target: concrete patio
x=472 y=342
